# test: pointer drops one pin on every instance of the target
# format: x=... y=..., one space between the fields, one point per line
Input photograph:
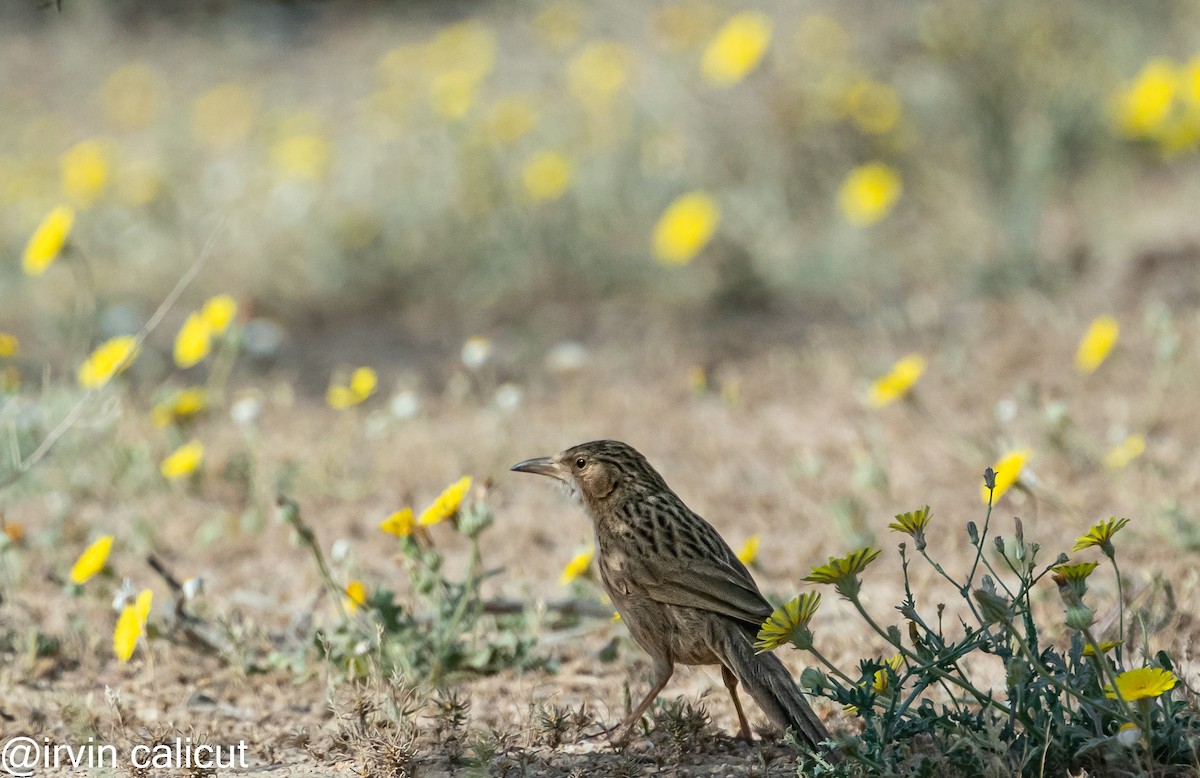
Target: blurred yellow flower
x=447 y=503
x=304 y=157
x=1104 y=647
x=110 y=358
x=132 y=95
x=578 y=566
x=9 y=345
x=873 y=106
x=356 y=596
x=468 y=48
x=183 y=461
x=511 y=119
x=598 y=72
x=223 y=116
x=400 y=523
x=182 y=404
x=361 y=386
x=85 y=171
x=1141 y=683
x=749 y=550
x=869 y=193
x=92 y=560
x=1008 y=471
x=452 y=94
x=1096 y=344
x=131 y=625
x=737 y=48
x=685 y=228
x=546 y=176
x=558 y=26
x=48 y=240
x=218 y=313
x=897 y=382
x=193 y=341
x=1143 y=106
x=1125 y=452
x=880 y=681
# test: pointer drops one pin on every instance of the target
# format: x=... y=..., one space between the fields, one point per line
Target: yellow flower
x=9 y=345
x=85 y=171
x=874 y=107
x=467 y=48
x=789 y=624
x=218 y=313
x=132 y=95
x=131 y=625
x=193 y=341
x=399 y=523
x=880 y=682
x=305 y=156
x=737 y=48
x=356 y=596
x=362 y=385
x=452 y=94
x=447 y=503
x=598 y=72
x=223 y=116
x=183 y=461
x=1096 y=343
x=578 y=566
x=546 y=176
x=897 y=382
x=1100 y=535
x=1105 y=647
x=182 y=404
x=92 y=560
x=1141 y=683
x=1073 y=573
x=749 y=551
x=913 y=524
x=1125 y=452
x=1008 y=471
x=869 y=193
x=511 y=119
x=112 y=357
x=685 y=228
x=48 y=240
x=843 y=568
x=1143 y=106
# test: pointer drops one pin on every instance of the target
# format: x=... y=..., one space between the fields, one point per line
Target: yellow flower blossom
x=511 y=119
x=1096 y=344
x=1100 y=535
x=685 y=228
x=467 y=48
x=85 y=171
x=223 y=116
x=737 y=48
x=447 y=503
x=1141 y=683
x=131 y=625
x=361 y=386
x=92 y=560
x=897 y=382
x=182 y=404
x=48 y=240
x=132 y=95
x=193 y=341
x=356 y=596
x=1079 y=571
x=840 y=569
x=869 y=193
x=112 y=357
x=1143 y=106
x=789 y=624
x=183 y=461
x=546 y=176
x=303 y=156
x=1104 y=647
x=1129 y=449
x=578 y=566
x=598 y=72
x=9 y=345
x=1008 y=471
x=452 y=94
x=913 y=524
x=749 y=550
x=880 y=681
x=874 y=107
x=400 y=523
x=218 y=313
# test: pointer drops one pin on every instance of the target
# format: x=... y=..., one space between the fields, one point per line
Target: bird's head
x=600 y=473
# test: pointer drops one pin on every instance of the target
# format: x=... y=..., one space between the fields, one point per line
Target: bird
x=679 y=588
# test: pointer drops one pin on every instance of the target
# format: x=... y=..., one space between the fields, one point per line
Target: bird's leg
x=664 y=669
x=731 y=683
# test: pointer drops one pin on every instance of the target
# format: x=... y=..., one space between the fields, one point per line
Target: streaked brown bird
x=683 y=593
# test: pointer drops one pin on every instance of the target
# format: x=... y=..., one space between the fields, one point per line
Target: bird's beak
x=541 y=466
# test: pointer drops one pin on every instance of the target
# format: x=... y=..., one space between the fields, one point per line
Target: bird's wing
x=711 y=585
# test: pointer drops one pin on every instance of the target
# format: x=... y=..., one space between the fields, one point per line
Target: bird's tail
x=770 y=684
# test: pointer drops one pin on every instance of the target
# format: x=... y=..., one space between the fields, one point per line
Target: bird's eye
x=580 y=463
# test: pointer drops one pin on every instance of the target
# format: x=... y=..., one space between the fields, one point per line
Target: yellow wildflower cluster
x=194 y=341
x=1161 y=104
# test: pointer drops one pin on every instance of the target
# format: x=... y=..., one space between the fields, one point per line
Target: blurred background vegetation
x=441 y=168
